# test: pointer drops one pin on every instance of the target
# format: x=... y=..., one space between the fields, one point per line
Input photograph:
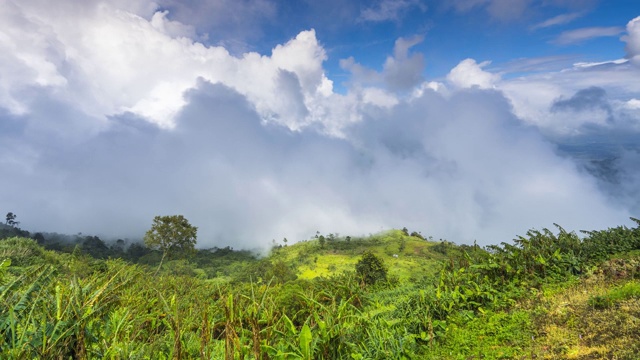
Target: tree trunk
x=159 y=266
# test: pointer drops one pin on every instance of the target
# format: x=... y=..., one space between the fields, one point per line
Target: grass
x=592 y=319
x=71 y=305
x=493 y=335
x=595 y=317
x=407 y=257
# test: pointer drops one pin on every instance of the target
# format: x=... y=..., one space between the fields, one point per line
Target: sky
x=466 y=120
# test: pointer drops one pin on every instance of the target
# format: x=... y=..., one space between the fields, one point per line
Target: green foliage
x=542 y=296
x=265 y=270
x=371 y=269
x=491 y=335
x=615 y=296
x=21 y=251
x=9 y=231
x=171 y=234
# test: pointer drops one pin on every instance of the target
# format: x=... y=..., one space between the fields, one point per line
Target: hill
x=550 y=295
x=407 y=257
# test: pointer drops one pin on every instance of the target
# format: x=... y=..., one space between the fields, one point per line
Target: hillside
x=546 y=295
x=407 y=257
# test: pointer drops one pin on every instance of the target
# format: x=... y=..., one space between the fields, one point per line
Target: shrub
x=371 y=269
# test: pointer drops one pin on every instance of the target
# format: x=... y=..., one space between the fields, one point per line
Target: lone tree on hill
x=11 y=220
x=371 y=269
x=170 y=234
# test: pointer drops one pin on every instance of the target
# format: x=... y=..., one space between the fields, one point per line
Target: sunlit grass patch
x=594 y=318
x=326 y=265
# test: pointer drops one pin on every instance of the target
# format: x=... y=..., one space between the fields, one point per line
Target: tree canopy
x=11 y=220
x=371 y=268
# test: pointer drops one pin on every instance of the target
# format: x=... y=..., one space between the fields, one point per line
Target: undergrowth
x=546 y=295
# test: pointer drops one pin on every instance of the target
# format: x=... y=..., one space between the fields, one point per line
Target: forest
x=549 y=294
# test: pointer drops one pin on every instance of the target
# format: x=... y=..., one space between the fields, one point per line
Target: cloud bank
x=113 y=117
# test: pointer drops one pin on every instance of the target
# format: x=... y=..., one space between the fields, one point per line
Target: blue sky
x=261 y=119
x=453 y=31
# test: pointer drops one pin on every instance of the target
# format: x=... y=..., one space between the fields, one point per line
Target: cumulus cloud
x=108 y=61
x=404 y=71
x=119 y=116
x=533 y=96
x=633 y=40
x=468 y=73
x=585 y=99
x=587 y=107
x=401 y=72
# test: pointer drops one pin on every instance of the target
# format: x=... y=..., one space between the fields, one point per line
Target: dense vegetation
x=387 y=296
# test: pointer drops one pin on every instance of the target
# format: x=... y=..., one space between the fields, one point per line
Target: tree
x=322 y=240
x=281 y=272
x=170 y=234
x=39 y=238
x=371 y=268
x=11 y=220
x=95 y=247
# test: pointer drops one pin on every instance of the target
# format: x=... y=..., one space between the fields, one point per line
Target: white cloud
x=584 y=34
x=378 y=97
x=116 y=61
x=533 y=96
x=599 y=63
x=457 y=167
x=633 y=104
x=404 y=71
x=558 y=20
x=171 y=28
x=633 y=40
x=401 y=72
x=468 y=74
x=402 y=151
x=428 y=86
x=29 y=56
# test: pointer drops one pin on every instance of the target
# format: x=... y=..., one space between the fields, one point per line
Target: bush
x=371 y=269
x=21 y=251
